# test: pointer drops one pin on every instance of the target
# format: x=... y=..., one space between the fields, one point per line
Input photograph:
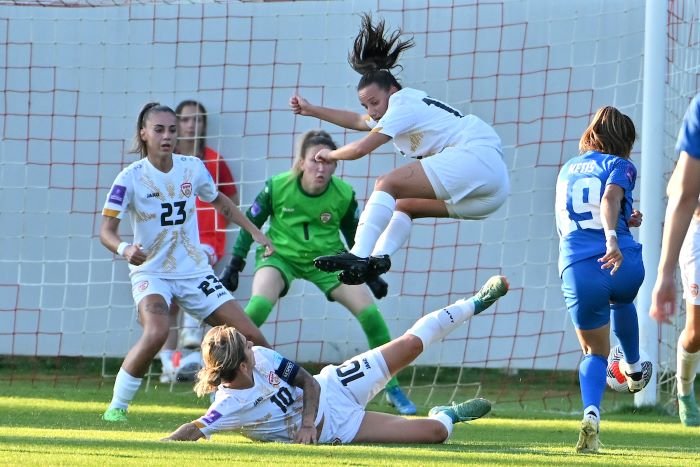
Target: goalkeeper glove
x=230 y=276
x=378 y=286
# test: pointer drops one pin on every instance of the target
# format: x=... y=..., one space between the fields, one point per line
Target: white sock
x=445 y=419
x=686 y=368
x=436 y=325
x=373 y=220
x=166 y=355
x=594 y=409
x=166 y=358
x=394 y=236
x=188 y=321
x=635 y=367
x=125 y=387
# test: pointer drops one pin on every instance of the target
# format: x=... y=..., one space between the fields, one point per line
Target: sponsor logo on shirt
x=255 y=209
x=286 y=209
x=273 y=379
x=325 y=217
x=211 y=417
x=186 y=189
x=288 y=368
x=153 y=195
x=257 y=401
x=141 y=286
x=366 y=364
x=449 y=315
x=116 y=196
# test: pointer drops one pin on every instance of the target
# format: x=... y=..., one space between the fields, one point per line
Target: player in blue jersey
x=599 y=261
x=681 y=241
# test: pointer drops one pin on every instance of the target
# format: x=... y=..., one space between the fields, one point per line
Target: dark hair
x=201 y=140
x=373 y=55
x=610 y=132
x=139 y=146
x=309 y=139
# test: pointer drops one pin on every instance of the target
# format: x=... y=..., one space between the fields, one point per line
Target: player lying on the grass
x=269 y=398
x=308 y=207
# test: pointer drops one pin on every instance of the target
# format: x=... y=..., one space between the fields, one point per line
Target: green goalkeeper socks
x=258 y=309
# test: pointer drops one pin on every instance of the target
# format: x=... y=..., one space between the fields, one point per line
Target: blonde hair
x=223 y=351
x=307 y=140
x=610 y=132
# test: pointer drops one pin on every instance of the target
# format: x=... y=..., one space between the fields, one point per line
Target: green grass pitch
x=58 y=423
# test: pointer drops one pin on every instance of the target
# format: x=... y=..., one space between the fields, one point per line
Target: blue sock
x=591 y=375
x=626 y=328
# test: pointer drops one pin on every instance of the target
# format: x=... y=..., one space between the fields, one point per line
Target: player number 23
x=166 y=217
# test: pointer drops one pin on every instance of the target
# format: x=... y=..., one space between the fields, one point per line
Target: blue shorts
x=589 y=290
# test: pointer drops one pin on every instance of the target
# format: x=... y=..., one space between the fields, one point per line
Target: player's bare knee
x=692 y=339
x=405 y=206
x=413 y=343
x=156 y=335
x=438 y=433
x=387 y=184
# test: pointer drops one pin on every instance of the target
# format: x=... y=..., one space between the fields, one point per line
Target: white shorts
x=473 y=180
x=345 y=392
x=199 y=296
x=688 y=261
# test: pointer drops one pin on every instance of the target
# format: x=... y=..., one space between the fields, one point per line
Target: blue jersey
x=689 y=134
x=580 y=187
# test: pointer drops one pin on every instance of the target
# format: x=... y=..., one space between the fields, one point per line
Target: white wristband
x=122 y=246
x=610 y=233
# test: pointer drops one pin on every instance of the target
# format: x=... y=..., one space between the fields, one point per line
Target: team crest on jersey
x=694 y=290
x=325 y=217
x=186 y=189
x=273 y=379
x=141 y=286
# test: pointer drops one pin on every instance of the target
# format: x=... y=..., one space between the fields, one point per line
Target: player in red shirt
x=192 y=134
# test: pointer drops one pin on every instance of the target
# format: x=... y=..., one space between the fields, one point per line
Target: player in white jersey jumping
x=460 y=172
x=166 y=260
x=267 y=397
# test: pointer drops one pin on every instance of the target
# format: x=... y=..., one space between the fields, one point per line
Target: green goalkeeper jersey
x=302 y=226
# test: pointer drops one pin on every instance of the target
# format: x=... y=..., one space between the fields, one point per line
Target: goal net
x=76 y=72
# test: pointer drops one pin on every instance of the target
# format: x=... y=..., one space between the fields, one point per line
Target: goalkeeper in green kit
x=308 y=207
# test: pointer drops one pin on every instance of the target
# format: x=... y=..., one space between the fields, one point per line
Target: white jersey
x=271 y=410
x=162 y=212
x=421 y=126
x=268 y=411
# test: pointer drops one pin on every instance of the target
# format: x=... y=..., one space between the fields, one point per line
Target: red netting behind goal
x=76 y=73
